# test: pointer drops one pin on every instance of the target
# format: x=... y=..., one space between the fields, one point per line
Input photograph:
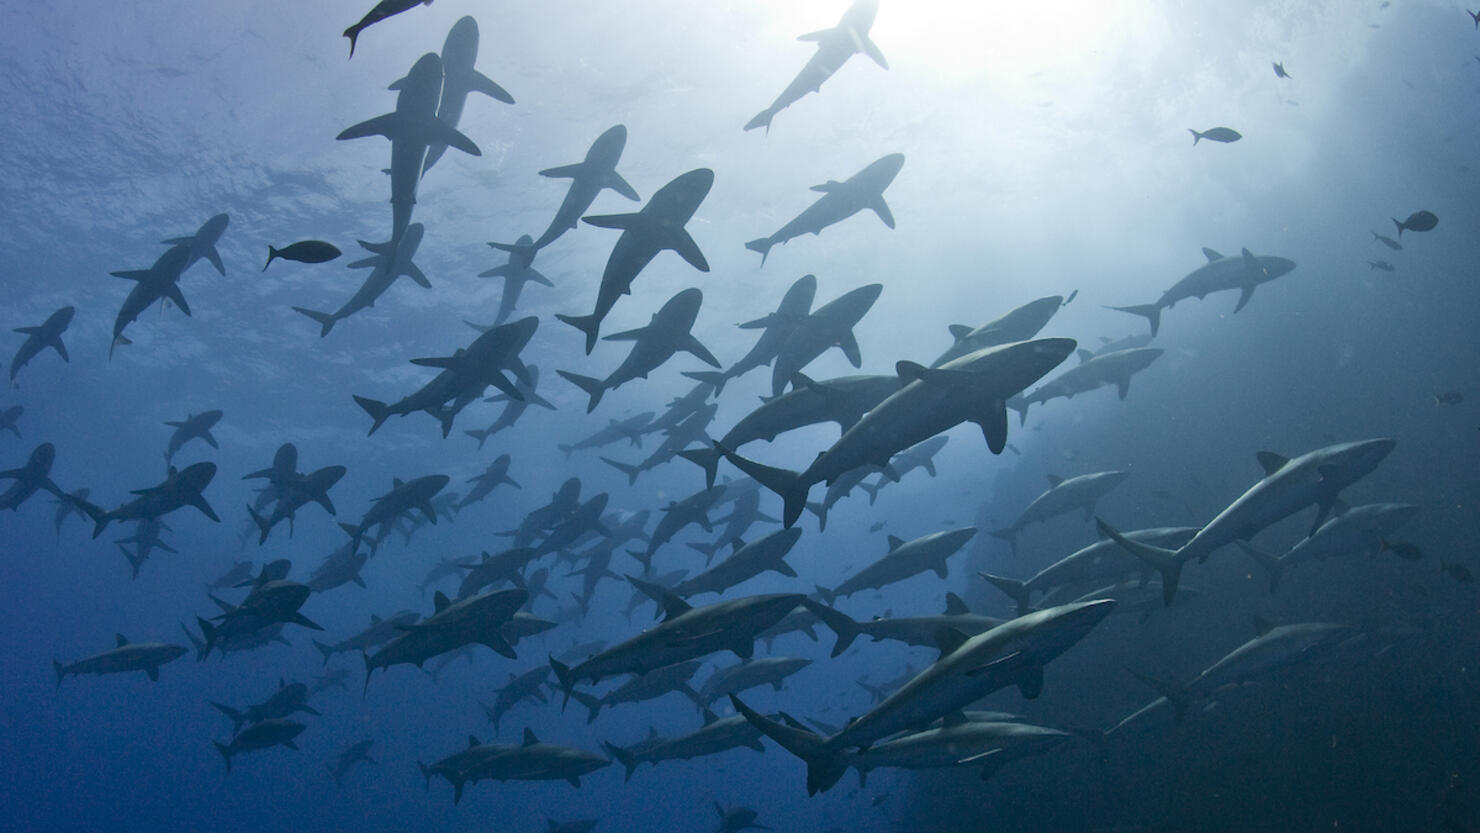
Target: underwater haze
x=1228 y=252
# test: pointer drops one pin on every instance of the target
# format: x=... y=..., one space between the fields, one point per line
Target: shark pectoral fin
x=872 y=50
x=414 y=272
x=1245 y=293
x=199 y=502
x=215 y=258
x=615 y=182
x=502 y=382
x=445 y=134
x=683 y=243
x=483 y=84
x=693 y=346
x=1030 y=683
x=849 y=345
x=538 y=278
x=174 y=294
x=564 y=171
x=626 y=335
x=616 y=221
x=299 y=619
x=948 y=639
x=994 y=427
x=498 y=643
x=388 y=125
x=819 y=35
x=881 y=208
x=153 y=672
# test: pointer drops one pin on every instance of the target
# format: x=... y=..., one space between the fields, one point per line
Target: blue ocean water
x=1046 y=153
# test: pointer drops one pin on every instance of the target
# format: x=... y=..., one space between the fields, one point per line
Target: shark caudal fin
x=593 y=705
x=377 y=410
x=326 y=320
x=237 y=718
x=1016 y=590
x=327 y=650
x=625 y=468
x=225 y=753
x=624 y=757
x=715 y=378
x=824 y=765
x=61 y=672
x=762 y=245
x=1166 y=562
x=762 y=119
x=1273 y=565
x=787 y=484
x=840 y=623
x=1150 y=312
x=1008 y=534
x=588 y=324
x=706 y=459
x=594 y=388
x=567 y=682
x=262 y=525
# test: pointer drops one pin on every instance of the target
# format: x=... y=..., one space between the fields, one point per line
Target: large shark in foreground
x=839 y=201
x=588 y=178
x=658 y=226
x=1244 y=272
x=412 y=128
x=388 y=263
x=834 y=47
x=973 y=388
x=1315 y=478
x=969 y=669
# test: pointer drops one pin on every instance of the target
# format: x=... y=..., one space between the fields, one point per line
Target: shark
x=202 y=244
x=182 y=487
x=1021 y=324
x=667 y=332
x=1244 y=272
x=125 y=656
x=775 y=328
x=388 y=262
x=1063 y=496
x=830 y=325
x=588 y=178
x=518 y=271
x=834 y=47
x=193 y=426
x=31 y=478
x=47 y=334
x=839 y=201
x=1096 y=370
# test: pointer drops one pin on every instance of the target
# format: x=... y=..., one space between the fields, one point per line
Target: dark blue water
x=1046 y=153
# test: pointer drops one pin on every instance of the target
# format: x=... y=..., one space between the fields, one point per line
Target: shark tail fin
x=1008 y=534
x=593 y=705
x=326 y=650
x=208 y=631
x=593 y=387
x=841 y=624
x=624 y=757
x=761 y=119
x=225 y=753
x=824 y=765
x=714 y=377
x=262 y=525
x=1273 y=565
x=1019 y=404
x=588 y=324
x=61 y=672
x=625 y=468
x=762 y=245
x=1196 y=136
x=377 y=410
x=1150 y=312
x=1016 y=590
x=479 y=435
x=706 y=459
x=1175 y=694
x=326 y=320
x=787 y=484
x=562 y=674
x=1164 y=561
x=237 y=718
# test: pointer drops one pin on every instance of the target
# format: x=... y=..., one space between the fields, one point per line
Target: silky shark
x=183 y=487
x=1315 y=478
x=1063 y=496
x=124 y=657
x=746 y=562
x=1094 y=371
x=658 y=226
x=494 y=476
x=1021 y=324
x=30 y=478
x=904 y=560
x=834 y=47
x=790 y=314
x=973 y=388
x=1360 y=530
x=389 y=263
x=839 y=201
x=403 y=498
x=192 y=427
x=667 y=333
x=47 y=334
x=459 y=53
x=1097 y=563
x=969 y=669
x=830 y=325
x=412 y=128
x=1244 y=272
x=160 y=281
x=588 y=178
x=690 y=431
x=476 y=619
x=911 y=630
x=718 y=734
x=517 y=272
x=294 y=495
x=514 y=407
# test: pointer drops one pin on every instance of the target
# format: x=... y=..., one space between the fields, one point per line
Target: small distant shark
x=48 y=334
x=459 y=52
x=194 y=426
x=34 y=476
x=517 y=272
x=162 y=280
x=775 y=329
x=183 y=487
x=830 y=325
x=667 y=333
x=587 y=179
x=412 y=128
x=1244 y=273
x=202 y=244
x=834 y=47
x=389 y=262
x=658 y=226
x=839 y=201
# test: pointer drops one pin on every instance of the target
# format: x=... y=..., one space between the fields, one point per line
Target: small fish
x=304 y=251
x=1279 y=70
x=1381 y=264
x=1417 y=221
x=1217 y=134
x=1458 y=572
x=1387 y=241
x=1453 y=397
x=1405 y=551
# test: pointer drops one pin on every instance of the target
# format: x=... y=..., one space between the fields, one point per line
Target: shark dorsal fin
x=948 y=640
x=1271 y=462
x=895 y=542
x=396 y=483
x=529 y=738
x=440 y=601
x=1054 y=480
x=1262 y=625
x=374 y=620
x=959 y=331
x=955 y=606
x=673 y=606
x=120 y=640
x=1211 y=255
x=473 y=741
x=709 y=717
x=955 y=718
